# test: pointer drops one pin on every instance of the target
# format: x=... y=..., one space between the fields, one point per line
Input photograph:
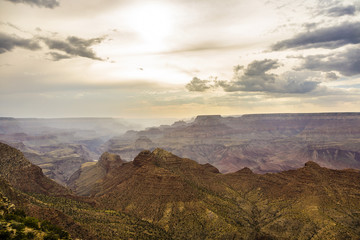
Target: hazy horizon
x=178 y=59
x=171 y=118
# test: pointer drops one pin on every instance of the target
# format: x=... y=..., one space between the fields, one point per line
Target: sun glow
x=153 y=23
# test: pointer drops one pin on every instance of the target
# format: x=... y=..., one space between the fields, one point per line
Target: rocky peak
x=208 y=120
x=245 y=170
x=312 y=165
x=142 y=158
x=179 y=124
x=11 y=158
x=161 y=153
x=159 y=157
x=165 y=158
x=23 y=175
x=109 y=161
x=210 y=168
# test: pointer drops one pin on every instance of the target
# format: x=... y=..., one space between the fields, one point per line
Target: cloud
x=38 y=3
x=331 y=8
x=9 y=42
x=73 y=46
x=69 y=48
x=339 y=11
x=331 y=76
x=331 y=37
x=256 y=78
x=57 y=56
x=198 y=85
x=253 y=78
x=347 y=63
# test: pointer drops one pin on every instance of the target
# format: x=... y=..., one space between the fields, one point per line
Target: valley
x=262 y=142
x=159 y=195
x=273 y=176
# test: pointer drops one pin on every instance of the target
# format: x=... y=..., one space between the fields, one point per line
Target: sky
x=178 y=58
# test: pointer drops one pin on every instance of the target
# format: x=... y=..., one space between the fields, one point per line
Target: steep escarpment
x=22 y=174
x=341 y=155
x=308 y=203
x=262 y=142
x=159 y=195
x=89 y=176
x=189 y=200
x=60 y=146
x=21 y=181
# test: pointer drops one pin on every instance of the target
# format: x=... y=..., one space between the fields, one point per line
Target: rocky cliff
x=262 y=142
x=88 y=178
x=193 y=201
x=22 y=174
x=159 y=195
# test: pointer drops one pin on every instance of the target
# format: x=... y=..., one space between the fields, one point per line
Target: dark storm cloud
x=74 y=46
x=9 y=42
x=256 y=78
x=339 y=11
x=331 y=37
x=38 y=3
x=347 y=62
x=198 y=85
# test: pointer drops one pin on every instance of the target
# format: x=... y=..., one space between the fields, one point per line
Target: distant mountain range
x=59 y=146
x=159 y=195
x=262 y=142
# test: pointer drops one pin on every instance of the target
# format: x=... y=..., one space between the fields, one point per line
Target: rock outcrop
x=262 y=142
x=162 y=196
x=193 y=201
x=88 y=178
x=22 y=174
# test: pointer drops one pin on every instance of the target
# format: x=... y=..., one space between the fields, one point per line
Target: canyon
x=159 y=195
x=262 y=142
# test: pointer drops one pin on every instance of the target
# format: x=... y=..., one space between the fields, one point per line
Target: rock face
x=109 y=161
x=60 y=161
x=193 y=201
x=262 y=142
x=162 y=196
x=60 y=146
x=143 y=142
x=57 y=160
x=18 y=178
x=22 y=174
x=88 y=178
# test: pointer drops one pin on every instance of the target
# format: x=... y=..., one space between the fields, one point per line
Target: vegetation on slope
x=15 y=224
x=162 y=196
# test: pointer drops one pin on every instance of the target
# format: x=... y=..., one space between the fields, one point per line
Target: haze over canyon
x=260 y=176
x=179 y=119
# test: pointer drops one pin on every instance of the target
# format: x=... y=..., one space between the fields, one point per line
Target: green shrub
x=18 y=226
x=47 y=226
x=3 y=226
x=20 y=213
x=31 y=222
x=51 y=236
x=30 y=235
x=10 y=216
x=4 y=235
x=19 y=235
